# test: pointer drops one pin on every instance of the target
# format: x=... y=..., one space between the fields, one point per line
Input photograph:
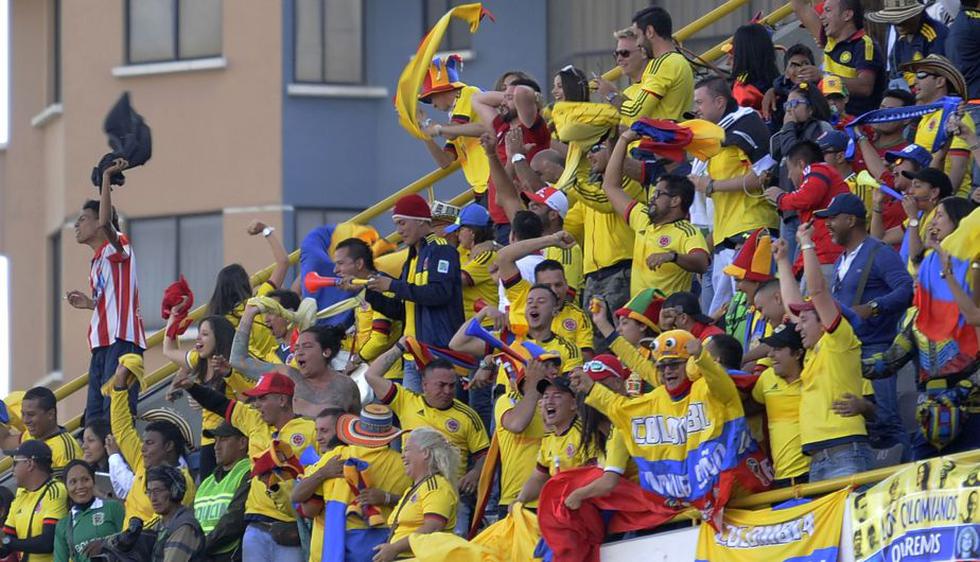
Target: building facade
x=278 y=111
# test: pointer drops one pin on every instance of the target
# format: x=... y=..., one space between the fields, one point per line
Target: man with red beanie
x=428 y=294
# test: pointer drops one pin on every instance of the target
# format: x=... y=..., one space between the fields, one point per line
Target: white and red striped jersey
x=116 y=295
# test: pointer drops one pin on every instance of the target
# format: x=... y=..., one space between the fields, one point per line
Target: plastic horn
x=314 y=282
x=534 y=349
x=889 y=191
x=475 y=330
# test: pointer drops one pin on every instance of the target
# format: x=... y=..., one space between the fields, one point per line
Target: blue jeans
x=258 y=546
x=840 y=461
x=101 y=369
x=886 y=430
x=412 y=377
x=787 y=231
x=359 y=544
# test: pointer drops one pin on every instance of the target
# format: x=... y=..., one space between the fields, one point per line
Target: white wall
x=672 y=546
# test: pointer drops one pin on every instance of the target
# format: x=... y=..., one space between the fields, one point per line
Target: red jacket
x=821 y=182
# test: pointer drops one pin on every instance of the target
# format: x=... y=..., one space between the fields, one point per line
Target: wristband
x=710 y=188
x=267 y=231
x=517 y=158
x=808 y=247
x=399 y=346
x=611 y=96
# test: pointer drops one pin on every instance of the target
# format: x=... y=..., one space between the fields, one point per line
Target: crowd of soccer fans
x=695 y=323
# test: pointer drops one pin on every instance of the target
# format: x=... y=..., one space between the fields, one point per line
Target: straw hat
x=896 y=11
x=941 y=66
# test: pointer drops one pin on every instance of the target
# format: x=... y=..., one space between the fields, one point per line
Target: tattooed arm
x=240 y=359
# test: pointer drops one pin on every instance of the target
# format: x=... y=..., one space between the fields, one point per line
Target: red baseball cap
x=801 y=307
x=272 y=383
x=603 y=366
x=550 y=197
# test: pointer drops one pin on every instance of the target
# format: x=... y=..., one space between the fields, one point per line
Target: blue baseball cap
x=912 y=152
x=832 y=141
x=474 y=215
x=844 y=204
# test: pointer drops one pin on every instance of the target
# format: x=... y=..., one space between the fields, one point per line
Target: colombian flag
x=412 y=77
x=939 y=317
x=424 y=354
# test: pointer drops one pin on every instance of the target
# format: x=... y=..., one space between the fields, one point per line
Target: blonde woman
x=429 y=505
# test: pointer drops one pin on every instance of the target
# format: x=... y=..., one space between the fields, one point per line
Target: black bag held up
x=129 y=138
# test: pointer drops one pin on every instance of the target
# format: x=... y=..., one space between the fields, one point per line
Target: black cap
x=561 y=382
x=843 y=204
x=785 y=335
x=223 y=430
x=689 y=304
x=31 y=449
x=934 y=177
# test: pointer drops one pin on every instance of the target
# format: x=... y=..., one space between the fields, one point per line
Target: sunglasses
x=791 y=104
x=597 y=147
x=595 y=367
x=623 y=53
x=922 y=75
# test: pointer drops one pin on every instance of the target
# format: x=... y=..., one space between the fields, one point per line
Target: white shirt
x=526 y=266
x=847 y=258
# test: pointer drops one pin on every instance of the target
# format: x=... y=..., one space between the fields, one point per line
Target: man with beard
x=667 y=250
x=873 y=290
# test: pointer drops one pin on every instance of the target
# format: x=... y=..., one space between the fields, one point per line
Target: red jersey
x=704 y=331
x=537 y=135
x=112 y=278
x=821 y=182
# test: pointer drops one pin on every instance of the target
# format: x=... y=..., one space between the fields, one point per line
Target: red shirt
x=537 y=135
x=704 y=331
x=821 y=182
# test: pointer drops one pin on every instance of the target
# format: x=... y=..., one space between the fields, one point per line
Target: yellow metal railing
x=773 y=17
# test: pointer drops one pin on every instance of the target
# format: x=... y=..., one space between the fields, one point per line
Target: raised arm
x=808 y=18
x=241 y=360
x=105 y=203
x=874 y=162
x=816 y=283
x=171 y=347
x=514 y=145
x=468 y=344
x=375 y=374
x=508 y=255
x=486 y=105
x=279 y=253
x=789 y=289
x=612 y=180
x=720 y=383
x=967 y=304
x=507 y=196
x=520 y=416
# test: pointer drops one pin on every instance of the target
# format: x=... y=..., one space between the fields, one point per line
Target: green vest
x=213 y=497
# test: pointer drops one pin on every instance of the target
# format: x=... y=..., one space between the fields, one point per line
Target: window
x=329 y=41
x=57 y=302
x=458 y=36
x=580 y=33
x=169 y=246
x=167 y=30
x=54 y=43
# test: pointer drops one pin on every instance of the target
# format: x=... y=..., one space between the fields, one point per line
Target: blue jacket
x=314 y=256
x=889 y=284
x=438 y=300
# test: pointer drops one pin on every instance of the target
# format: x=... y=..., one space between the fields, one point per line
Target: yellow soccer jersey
x=385 y=471
x=130 y=446
x=617 y=458
x=562 y=451
x=299 y=433
x=679 y=236
x=261 y=342
x=376 y=333
x=518 y=451
x=459 y=423
x=925 y=136
x=782 y=402
x=570 y=322
x=736 y=212
x=64 y=448
x=471 y=155
x=666 y=90
x=484 y=287
x=433 y=497
x=604 y=237
x=571 y=260
x=235 y=382
x=31 y=510
x=830 y=370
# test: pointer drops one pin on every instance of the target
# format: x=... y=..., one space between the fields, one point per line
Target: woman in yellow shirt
x=429 y=505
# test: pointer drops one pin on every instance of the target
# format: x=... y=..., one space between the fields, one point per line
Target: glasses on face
x=597 y=147
x=622 y=53
x=922 y=75
x=595 y=367
x=659 y=193
x=792 y=104
x=156 y=492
